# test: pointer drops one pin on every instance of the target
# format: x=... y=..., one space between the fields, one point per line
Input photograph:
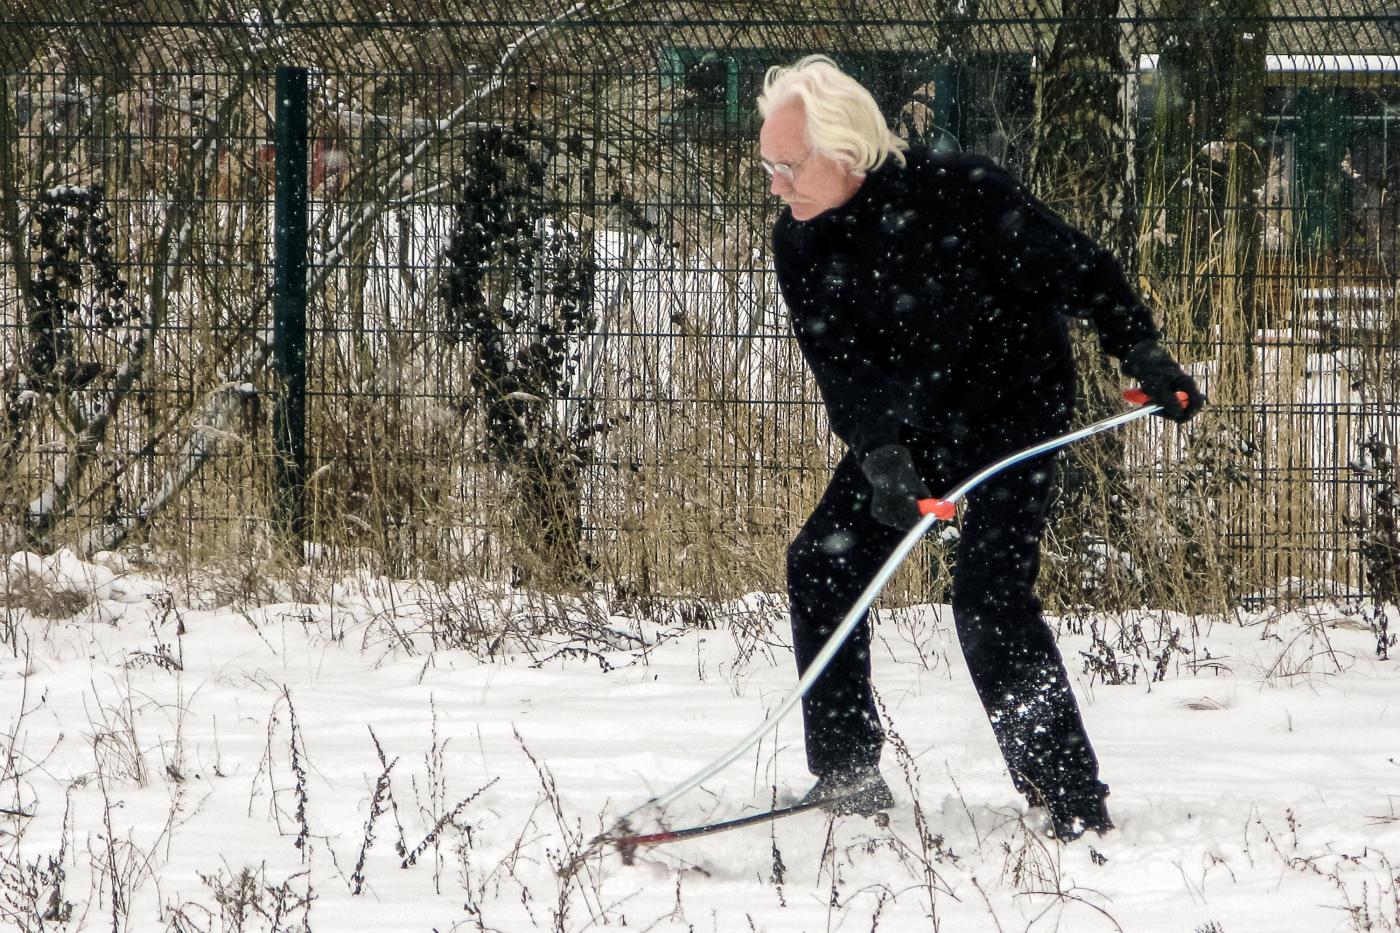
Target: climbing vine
x=78 y=296
x=518 y=293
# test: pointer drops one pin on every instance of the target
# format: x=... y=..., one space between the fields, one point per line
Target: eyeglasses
x=786 y=169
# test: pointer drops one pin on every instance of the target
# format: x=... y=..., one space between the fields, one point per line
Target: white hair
x=843 y=121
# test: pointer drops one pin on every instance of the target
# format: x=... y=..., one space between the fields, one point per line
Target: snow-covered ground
x=216 y=765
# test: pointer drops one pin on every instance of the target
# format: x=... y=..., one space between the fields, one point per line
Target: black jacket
x=934 y=300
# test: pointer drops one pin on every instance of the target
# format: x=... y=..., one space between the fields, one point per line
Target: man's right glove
x=896 y=485
x=1161 y=378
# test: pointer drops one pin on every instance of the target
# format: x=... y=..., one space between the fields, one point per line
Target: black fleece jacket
x=934 y=299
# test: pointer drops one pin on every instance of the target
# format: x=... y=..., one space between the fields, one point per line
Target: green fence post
x=289 y=303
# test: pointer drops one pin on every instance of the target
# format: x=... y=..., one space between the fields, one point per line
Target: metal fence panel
x=544 y=337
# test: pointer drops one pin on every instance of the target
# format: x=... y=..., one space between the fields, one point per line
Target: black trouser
x=1010 y=651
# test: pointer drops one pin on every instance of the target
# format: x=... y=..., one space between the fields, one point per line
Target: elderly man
x=927 y=292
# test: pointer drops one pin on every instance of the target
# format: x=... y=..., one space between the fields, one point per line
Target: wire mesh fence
x=544 y=339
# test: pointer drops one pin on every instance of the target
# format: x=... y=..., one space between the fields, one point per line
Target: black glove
x=1161 y=378
x=896 y=486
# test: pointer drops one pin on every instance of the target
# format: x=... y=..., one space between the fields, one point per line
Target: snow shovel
x=932 y=510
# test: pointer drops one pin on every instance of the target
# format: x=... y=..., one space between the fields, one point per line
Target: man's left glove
x=896 y=486
x=1161 y=378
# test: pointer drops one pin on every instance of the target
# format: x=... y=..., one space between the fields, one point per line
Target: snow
x=62 y=191
x=166 y=735
x=1310 y=63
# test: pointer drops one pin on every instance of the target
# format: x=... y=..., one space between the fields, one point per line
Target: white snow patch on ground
x=235 y=764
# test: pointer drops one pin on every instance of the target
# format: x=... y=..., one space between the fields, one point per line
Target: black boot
x=861 y=791
x=1071 y=818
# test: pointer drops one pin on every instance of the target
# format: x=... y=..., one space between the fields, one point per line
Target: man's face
x=808 y=181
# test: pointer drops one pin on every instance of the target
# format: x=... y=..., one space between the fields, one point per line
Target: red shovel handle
x=1139 y=397
x=942 y=508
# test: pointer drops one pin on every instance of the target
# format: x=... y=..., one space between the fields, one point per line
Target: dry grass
x=42 y=598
